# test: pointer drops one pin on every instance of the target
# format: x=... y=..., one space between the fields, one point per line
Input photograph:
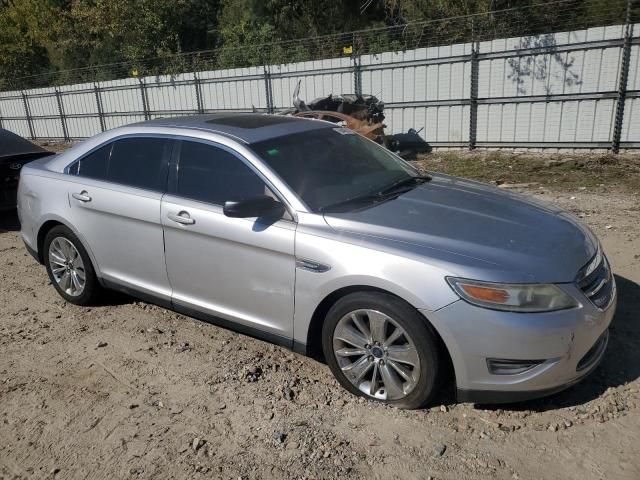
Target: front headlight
x=512 y=297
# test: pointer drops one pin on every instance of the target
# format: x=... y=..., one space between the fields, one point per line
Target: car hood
x=476 y=231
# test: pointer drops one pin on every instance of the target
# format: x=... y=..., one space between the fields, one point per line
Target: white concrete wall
x=631 y=119
x=445 y=81
x=13 y=107
x=581 y=71
x=314 y=85
x=233 y=94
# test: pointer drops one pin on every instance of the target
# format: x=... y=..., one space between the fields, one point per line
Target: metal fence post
x=622 y=84
x=357 y=75
x=145 y=101
x=269 y=92
x=473 y=97
x=63 y=119
x=197 y=85
x=1 y=126
x=96 y=91
x=27 y=112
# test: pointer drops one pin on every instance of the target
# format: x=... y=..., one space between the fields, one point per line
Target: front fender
x=421 y=285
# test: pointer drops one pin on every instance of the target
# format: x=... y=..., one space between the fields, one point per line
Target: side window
x=94 y=165
x=140 y=162
x=213 y=175
x=136 y=162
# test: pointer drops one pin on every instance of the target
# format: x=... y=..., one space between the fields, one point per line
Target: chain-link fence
x=563 y=74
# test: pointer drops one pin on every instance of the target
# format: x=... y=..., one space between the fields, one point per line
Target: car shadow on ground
x=112 y=298
x=621 y=363
x=9 y=221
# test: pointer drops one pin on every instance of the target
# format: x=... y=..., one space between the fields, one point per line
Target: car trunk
x=15 y=152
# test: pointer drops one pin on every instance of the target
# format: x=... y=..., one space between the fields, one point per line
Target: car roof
x=248 y=127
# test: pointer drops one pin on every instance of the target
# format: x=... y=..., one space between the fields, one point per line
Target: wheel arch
x=42 y=233
x=314 y=333
x=46 y=227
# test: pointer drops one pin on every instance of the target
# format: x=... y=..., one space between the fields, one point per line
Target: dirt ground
x=131 y=390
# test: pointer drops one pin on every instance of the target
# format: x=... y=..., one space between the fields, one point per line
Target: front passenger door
x=239 y=269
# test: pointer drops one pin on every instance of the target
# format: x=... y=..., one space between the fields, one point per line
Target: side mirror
x=261 y=206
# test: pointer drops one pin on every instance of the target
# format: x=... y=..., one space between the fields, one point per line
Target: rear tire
x=381 y=348
x=69 y=267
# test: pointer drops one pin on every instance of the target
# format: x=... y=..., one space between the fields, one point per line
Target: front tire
x=69 y=267
x=381 y=348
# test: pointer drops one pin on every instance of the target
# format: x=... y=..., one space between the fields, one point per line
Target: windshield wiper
x=362 y=199
x=388 y=193
x=405 y=182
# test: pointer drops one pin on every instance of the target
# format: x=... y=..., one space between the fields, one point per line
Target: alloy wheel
x=376 y=354
x=67 y=266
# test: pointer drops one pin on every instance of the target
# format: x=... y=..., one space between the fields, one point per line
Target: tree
x=75 y=40
x=43 y=35
x=110 y=31
x=24 y=42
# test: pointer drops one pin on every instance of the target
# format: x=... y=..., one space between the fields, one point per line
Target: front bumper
x=571 y=342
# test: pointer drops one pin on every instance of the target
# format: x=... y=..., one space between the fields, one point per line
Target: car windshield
x=333 y=166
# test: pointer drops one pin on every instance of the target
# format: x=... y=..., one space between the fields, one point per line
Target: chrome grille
x=596 y=282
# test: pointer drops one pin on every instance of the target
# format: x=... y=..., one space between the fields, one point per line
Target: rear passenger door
x=115 y=195
x=238 y=269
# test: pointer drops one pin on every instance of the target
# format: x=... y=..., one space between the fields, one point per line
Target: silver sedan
x=312 y=237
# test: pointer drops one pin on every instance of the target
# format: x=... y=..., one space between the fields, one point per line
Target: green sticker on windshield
x=273 y=151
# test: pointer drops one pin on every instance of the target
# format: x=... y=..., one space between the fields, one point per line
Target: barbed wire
x=524 y=21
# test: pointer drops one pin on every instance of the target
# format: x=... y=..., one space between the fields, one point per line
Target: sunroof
x=252 y=121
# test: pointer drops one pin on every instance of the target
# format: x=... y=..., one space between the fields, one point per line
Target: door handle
x=181 y=217
x=83 y=196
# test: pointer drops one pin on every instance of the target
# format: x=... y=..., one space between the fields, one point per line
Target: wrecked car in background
x=363 y=114
x=15 y=152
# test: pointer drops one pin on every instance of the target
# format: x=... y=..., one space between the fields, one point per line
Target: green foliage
x=117 y=35
x=23 y=41
x=44 y=42
x=244 y=44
